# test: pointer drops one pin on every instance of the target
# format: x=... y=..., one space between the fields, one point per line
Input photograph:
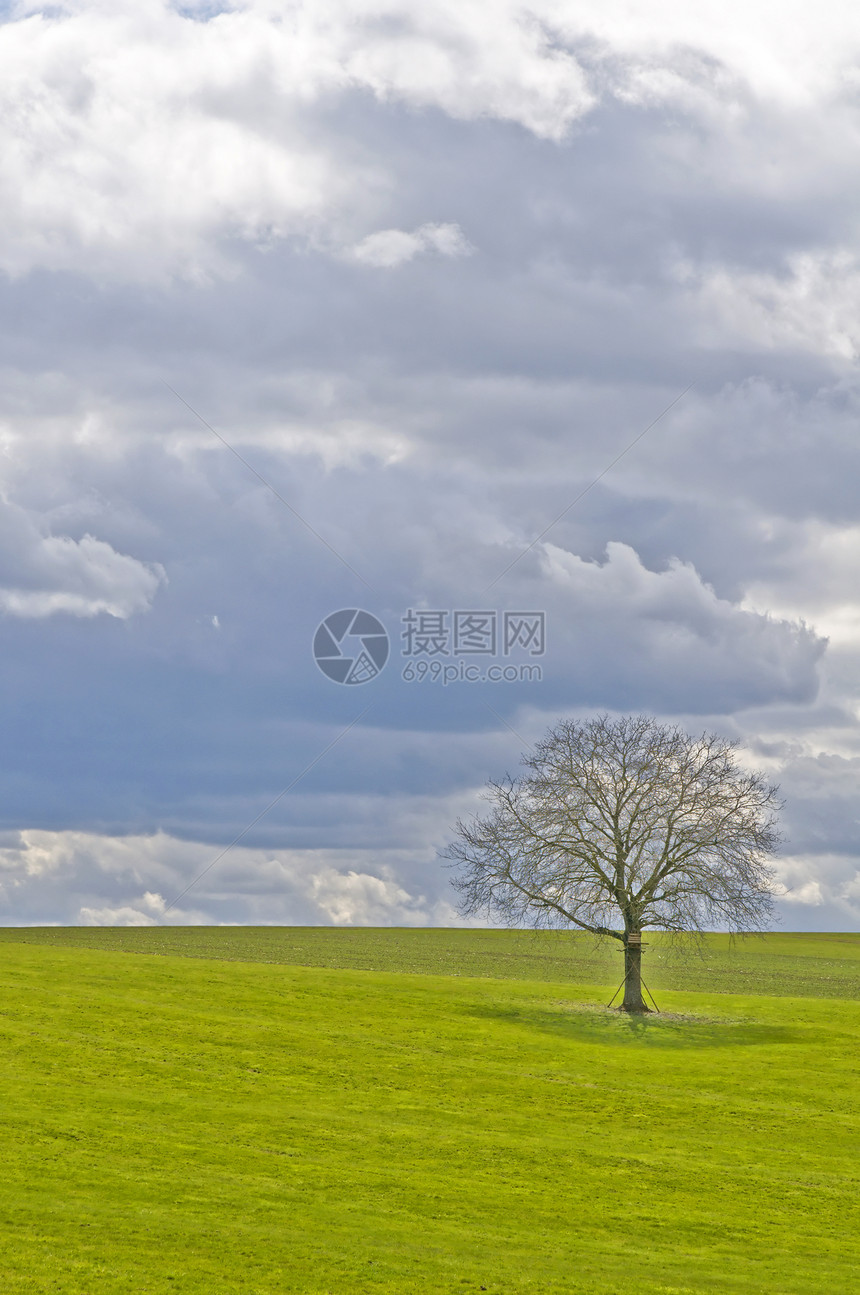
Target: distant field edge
x=781 y=964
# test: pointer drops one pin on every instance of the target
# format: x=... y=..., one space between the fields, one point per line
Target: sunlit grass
x=192 y=1125
x=822 y=966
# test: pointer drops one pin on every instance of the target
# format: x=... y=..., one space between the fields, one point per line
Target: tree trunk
x=633 y=1001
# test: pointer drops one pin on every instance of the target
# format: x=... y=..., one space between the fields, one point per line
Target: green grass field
x=266 y=1110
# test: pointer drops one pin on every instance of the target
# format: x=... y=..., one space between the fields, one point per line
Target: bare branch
x=619 y=825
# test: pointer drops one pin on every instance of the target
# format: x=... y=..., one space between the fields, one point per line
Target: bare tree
x=623 y=823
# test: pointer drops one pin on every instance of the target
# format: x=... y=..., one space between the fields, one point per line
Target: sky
x=530 y=330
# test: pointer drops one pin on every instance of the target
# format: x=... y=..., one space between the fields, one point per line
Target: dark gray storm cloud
x=428 y=286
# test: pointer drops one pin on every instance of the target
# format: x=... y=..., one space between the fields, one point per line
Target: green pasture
x=811 y=965
x=265 y=1110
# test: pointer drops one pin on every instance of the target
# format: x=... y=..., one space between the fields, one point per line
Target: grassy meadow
x=265 y=1110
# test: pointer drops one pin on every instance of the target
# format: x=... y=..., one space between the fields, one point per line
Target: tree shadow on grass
x=612 y=1028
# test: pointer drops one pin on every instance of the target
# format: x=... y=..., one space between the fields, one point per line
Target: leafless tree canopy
x=623 y=823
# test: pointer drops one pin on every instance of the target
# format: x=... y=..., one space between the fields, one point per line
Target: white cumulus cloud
x=149 y=910
x=138 y=136
x=388 y=248
x=87 y=879
x=811 y=306
x=42 y=575
x=629 y=619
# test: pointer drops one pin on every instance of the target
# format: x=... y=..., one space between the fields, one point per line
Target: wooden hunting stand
x=635 y=938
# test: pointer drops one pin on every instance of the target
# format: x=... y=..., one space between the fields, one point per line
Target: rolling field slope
x=814 y=965
x=441 y=1112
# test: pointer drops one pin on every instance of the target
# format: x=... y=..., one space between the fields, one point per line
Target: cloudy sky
x=341 y=305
